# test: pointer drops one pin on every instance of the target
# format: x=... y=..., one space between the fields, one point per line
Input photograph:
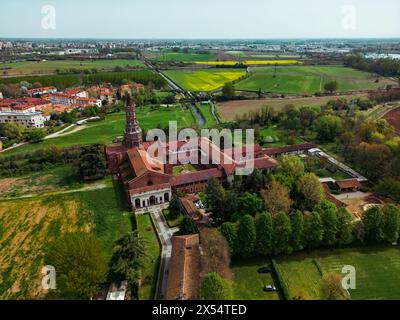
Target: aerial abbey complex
x=148 y=181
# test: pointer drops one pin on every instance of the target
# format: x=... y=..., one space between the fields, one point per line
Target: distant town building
x=43 y=92
x=28 y=119
x=74 y=98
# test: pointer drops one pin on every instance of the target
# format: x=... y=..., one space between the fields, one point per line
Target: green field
x=150 y=274
x=308 y=79
x=113 y=127
x=205 y=110
x=27 y=226
x=180 y=57
x=204 y=80
x=248 y=284
x=38 y=67
x=377 y=272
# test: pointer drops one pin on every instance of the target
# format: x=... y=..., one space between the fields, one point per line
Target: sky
x=200 y=19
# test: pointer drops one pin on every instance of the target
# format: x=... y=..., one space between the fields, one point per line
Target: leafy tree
x=229 y=231
x=175 y=209
x=332 y=288
x=292 y=166
x=130 y=257
x=297 y=238
x=12 y=130
x=331 y=86
x=187 y=226
x=328 y=128
x=80 y=266
x=310 y=191
x=214 y=200
x=358 y=231
x=276 y=198
x=228 y=90
x=254 y=182
x=373 y=225
x=92 y=163
x=327 y=211
x=213 y=287
x=215 y=256
x=264 y=234
x=248 y=203
x=35 y=135
x=313 y=229
x=67 y=117
x=247 y=236
x=345 y=225
x=282 y=234
x=391 y=216
x=389 y=187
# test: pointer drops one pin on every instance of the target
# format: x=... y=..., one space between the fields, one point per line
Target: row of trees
x=326 y=226
x=385 y=67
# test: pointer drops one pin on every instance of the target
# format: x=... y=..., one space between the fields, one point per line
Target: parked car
x=269 y=288
x=264 y=270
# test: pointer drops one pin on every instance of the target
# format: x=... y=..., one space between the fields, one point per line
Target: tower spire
x=133 y=133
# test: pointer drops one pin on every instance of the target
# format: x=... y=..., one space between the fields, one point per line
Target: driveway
x=165 y=235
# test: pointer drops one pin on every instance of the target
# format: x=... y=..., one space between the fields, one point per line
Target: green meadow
x=308 y=79
x=204 y=80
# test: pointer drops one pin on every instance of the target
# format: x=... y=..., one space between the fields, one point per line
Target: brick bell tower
x=133 y=133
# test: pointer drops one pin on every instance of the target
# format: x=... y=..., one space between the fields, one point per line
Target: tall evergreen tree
x=297 y=238
x=247 y=236
x=345 y=227
x=327 y=211
x=373 y=225
x=214 y=200
x=92 y=163
x=313 y=229
x=264 y=233
x=213 y=287
x=229 y=231
x=282 y=234
x=187 y=226
x=391 y=216
x=175 y=209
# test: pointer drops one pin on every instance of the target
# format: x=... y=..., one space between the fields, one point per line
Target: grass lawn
x=309 y=79
x=172 y=223
x=204 y=80
x=273 y=138
x=27 y=226
x=113 y=127
x=149 y=278
x=205 y=110
x=184 y=169
x=248 y=283
x=37 y=67
x=377 y=272
x=55 y=179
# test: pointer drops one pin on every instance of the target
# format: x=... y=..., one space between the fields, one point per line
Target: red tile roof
x=198 y=176
x=184 y=273
x=348 y=184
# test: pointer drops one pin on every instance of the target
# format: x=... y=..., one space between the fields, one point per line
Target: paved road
x=165 y=235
